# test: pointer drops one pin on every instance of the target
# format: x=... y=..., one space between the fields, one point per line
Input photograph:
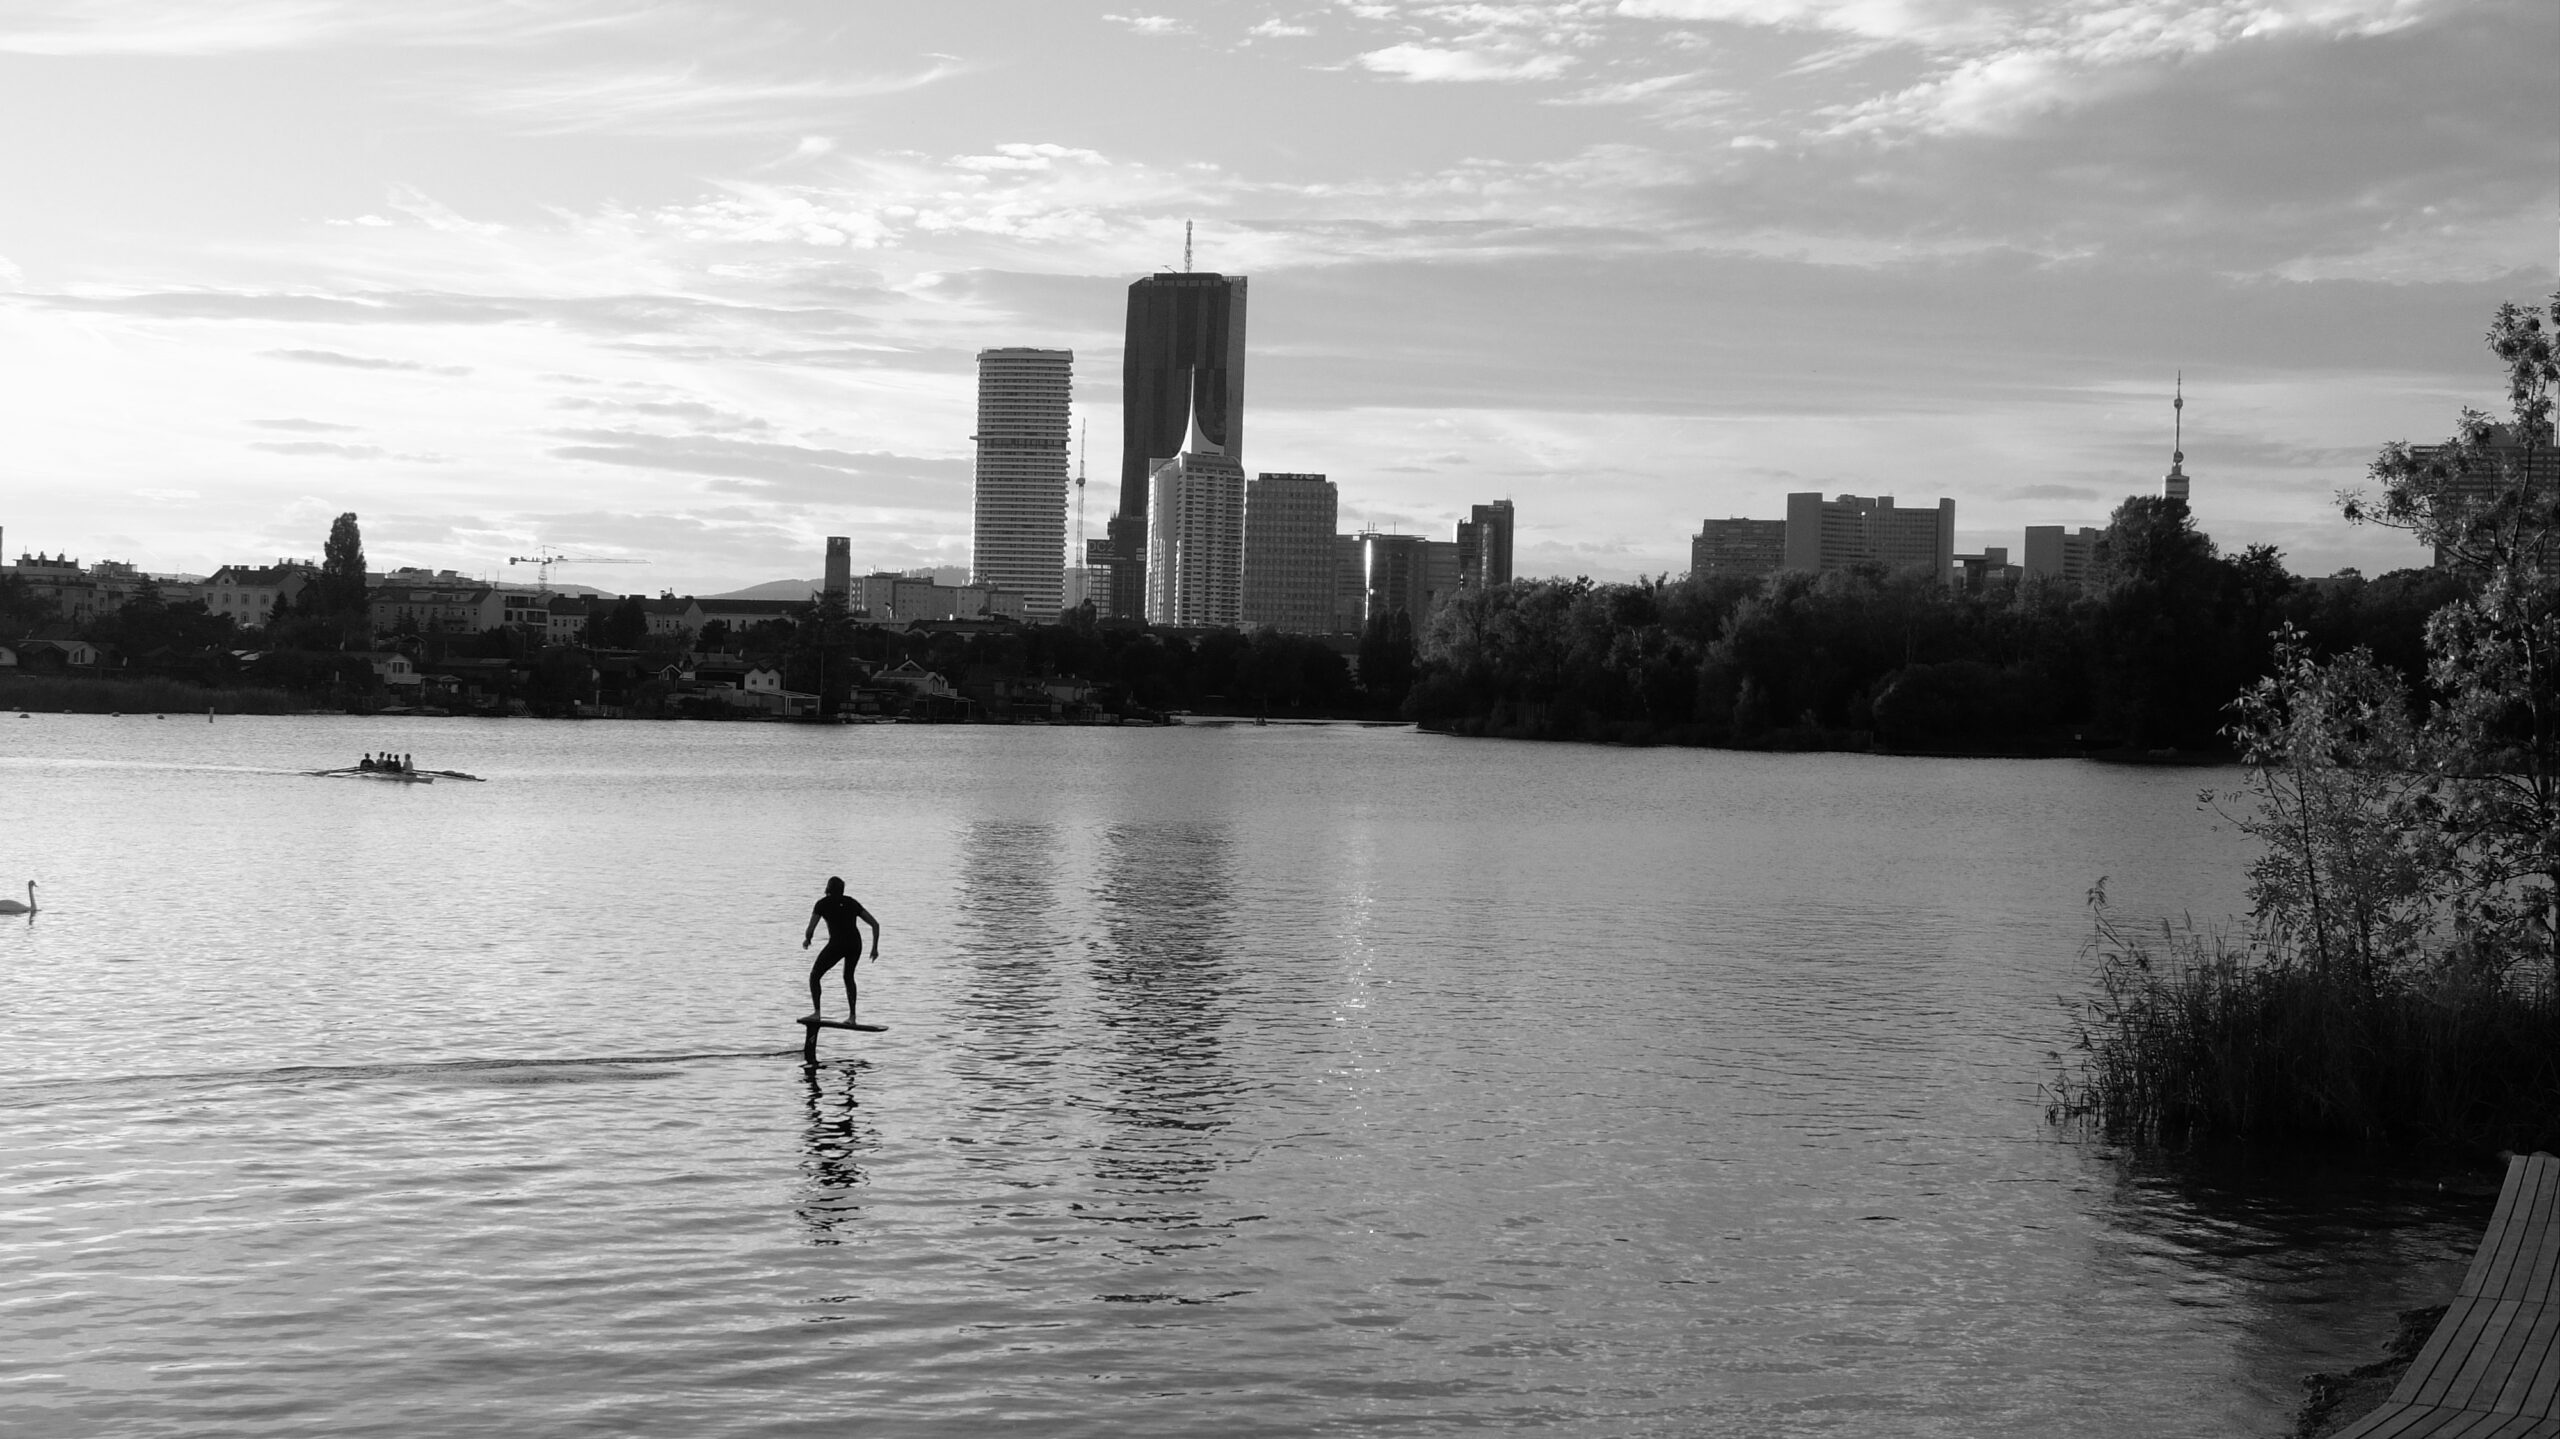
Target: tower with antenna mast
x=2175 y=485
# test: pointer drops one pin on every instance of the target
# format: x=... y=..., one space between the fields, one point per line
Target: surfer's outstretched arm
x=866 y=917
x=813 y=929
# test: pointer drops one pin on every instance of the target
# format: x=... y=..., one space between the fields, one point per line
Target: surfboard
x=814 y=1022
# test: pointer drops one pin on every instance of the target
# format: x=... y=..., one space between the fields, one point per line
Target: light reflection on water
x=1276 y=1080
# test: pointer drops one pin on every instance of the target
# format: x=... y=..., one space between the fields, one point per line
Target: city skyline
x=647 y=284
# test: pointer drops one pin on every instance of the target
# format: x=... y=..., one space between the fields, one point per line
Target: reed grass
x=82 y=694
x=2192 y=1038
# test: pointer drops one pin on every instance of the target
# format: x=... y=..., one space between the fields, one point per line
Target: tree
x=2488 y=500
x=340 y=588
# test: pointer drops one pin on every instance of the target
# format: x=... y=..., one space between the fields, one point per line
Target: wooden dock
x=2492 y=1368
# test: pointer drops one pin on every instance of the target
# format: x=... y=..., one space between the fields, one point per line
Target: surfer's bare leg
x=849 y=1015
x=818 y=972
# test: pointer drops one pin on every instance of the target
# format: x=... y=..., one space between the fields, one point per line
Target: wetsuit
x=843 y=940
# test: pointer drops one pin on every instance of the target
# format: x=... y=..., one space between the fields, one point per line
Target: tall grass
x=2192 y=1039
x=82 y=694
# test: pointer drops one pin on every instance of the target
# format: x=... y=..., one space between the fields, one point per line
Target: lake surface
x=1286 y=1080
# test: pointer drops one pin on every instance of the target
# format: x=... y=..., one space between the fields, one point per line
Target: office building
x=1183 y=351
x=1975 y=574
x=1723 y=548
x=1406 y=572
x=1853 y=530
x=2502 y=467
x=2056 y=553
x=1350 y=584
x=1195 y=536
x=1288 y=553
x=840 y=567
x=1484 y=546
x=1022 y=473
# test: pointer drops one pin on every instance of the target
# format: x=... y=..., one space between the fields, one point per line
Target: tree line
x=2146 y=653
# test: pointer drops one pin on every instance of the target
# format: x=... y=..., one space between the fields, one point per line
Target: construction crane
x=543 y=558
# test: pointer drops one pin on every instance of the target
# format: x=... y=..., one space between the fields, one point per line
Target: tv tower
x=2175 y=485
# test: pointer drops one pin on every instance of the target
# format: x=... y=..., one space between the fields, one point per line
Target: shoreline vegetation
x=2397 y=987
x=83 y=694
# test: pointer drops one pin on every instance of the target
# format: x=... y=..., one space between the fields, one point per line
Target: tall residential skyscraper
x=1184 y=351
x=1022 y=473
x=1195 y=536
x=1288 y=553
x=1484 y=546
x=840 y=566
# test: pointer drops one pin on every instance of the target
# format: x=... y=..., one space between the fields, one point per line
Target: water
x=1244 y=1080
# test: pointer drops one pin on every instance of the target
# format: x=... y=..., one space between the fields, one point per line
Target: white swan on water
x=11 y=906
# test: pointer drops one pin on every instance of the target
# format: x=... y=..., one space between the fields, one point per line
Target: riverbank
x=2331 y=1402
x=81 y=694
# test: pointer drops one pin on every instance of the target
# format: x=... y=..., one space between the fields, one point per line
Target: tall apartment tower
x=840 y=566
x=1183 y=354
x=2174 y=484
x=1484 y=546
x=1022 y=474
x=1854 y=529
x=1195 y=536
x=1288 y=553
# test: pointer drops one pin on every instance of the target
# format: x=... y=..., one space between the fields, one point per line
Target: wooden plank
x=2490 y=1261
x=2430 y=1380
x=2536 y=1390
x=2539 y=1279
x=2391 y=1421
x=2492 y=1365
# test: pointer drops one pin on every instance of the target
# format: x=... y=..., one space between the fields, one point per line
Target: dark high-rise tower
x=1186 y=330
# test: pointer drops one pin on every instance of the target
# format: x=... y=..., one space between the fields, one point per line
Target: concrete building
x=1408 y=573
x=839 y=581
x=1484 y=546
x=2479 y=486
x=1195 y=536
x=442 y=609
x=1853 y=529
x=1988 y=570
x=249 y=592
x=1350 y=584
x=1723 y=548
x=1183 y=352
x=1288 y=553
x=1023 y=398
x=2056 y=553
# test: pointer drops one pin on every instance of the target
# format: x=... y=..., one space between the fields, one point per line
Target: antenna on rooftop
x=1186 y=247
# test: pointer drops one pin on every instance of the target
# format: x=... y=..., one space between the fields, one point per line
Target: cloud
x=765 y=470
x=362 y=362
x=2051 y=492
x=308 y=427
x=1151 y=24
x=1277 y=29
x=320 y=447
x=1428 y=64
x=692 y=412
x=678 y=102
x=232 y=27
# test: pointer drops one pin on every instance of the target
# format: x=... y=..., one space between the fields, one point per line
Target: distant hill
x=773 y=590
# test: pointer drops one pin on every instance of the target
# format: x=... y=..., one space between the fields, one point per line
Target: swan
x=11 y=906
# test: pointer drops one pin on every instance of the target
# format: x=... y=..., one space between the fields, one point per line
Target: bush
x=2190 y=1040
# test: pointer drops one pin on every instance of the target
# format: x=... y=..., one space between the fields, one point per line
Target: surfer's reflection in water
x=837 y=1139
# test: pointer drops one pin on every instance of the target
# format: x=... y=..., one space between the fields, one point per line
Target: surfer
x=842 y=912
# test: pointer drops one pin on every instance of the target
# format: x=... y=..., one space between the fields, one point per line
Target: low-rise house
x=395 y=669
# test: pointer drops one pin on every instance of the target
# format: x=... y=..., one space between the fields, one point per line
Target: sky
x=696 y=285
